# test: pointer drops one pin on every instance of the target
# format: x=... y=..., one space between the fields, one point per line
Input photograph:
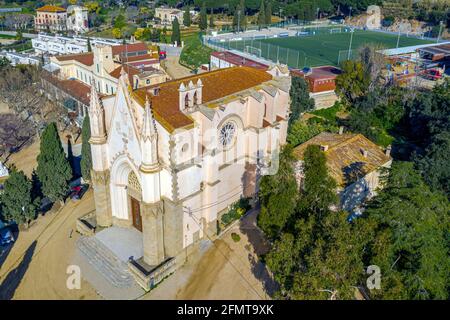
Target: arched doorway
x=126 y=193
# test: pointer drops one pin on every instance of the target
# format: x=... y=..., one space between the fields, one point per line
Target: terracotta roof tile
x=216 y=84
x=131 y=47
x=84 y=58
x=75 y=88
x=130 y=70
x=345 y=154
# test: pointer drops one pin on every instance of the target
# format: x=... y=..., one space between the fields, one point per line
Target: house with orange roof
x=50 y=18
x=102 y=67
x=170 y=159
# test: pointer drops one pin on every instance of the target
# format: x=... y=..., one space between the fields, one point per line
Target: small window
x=185 y=147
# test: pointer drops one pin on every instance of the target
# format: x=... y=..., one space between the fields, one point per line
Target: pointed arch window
x=186 y=101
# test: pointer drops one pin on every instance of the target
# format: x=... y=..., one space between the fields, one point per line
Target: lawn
x=323 y=48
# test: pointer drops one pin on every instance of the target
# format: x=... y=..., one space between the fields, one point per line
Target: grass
x=328 y=113
x=194 y=53
x=322 y=48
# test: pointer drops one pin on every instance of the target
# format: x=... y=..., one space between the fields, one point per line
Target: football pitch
x=321 y=48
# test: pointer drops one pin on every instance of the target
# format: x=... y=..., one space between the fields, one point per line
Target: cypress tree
x=211 y=21
x=203 y=18
x=269 y=13
x=261 y=15
x=176 y=31
x=89 y=47
x=187 y=17
x=16 y=199
x=53 y=169
x=86 y=156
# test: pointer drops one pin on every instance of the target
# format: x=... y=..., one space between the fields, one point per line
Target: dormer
x=190 y=95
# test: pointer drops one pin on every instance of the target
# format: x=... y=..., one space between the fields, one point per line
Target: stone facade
x=168 y=158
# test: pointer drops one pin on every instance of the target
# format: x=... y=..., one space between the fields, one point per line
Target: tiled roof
x=49 y=8
x=216 y=84
x=130 y=47
x=138 y=58
x=74 y=88
x=130 y=70
x=84 y=58
x=319 y=73
x=345 y=157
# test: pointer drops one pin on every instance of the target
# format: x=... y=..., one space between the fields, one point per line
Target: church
x=169 y=159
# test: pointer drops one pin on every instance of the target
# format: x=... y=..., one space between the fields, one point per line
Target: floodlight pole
x=398 y=38
x=350 y=45
x=440 y=30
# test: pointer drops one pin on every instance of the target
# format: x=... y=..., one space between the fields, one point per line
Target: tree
x=176 y=35
x=301 y=131
x=117 y=33
x=318 y=188
x=268 y=18
x=411 y=240
x=53 y=169
x=203 y=24
x=278 y=194
x=211 y=21
x=353 y=82
x=86 y=156
x=89 y=47
x=261 y=15
x=16 y=200
x=120 y=22
x=300 y=99
x=187 y=17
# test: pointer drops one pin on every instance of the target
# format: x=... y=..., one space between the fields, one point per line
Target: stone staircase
x=105 y=262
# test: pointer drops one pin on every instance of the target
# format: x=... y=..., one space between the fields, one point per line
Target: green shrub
x=237 y=210
x=235 y=237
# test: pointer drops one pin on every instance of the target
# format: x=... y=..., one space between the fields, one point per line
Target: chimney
x=341 y=130
x=324 y=147
x=388 y=150
x=364 y=152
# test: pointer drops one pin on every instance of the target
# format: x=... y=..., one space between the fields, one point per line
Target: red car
x=432 y=74
x=77 y=192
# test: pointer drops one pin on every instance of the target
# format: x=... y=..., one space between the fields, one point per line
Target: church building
x=169 y=159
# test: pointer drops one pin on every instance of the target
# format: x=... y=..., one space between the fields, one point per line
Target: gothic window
x=186 y=101
x=227 y=134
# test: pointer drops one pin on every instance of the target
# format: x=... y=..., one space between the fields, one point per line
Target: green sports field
x=322 y=48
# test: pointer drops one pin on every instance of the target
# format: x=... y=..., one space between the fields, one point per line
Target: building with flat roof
x=77 y=19
x=227 y=59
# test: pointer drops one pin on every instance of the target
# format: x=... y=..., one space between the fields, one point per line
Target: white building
x=77 y=19
x=57 y=44
x=21 y=58
x=168 y=160
x=167 y=15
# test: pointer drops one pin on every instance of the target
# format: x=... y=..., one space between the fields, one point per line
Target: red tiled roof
x=74 y=88
x=131 y=47
x=130 y=70
x=84 y=58
x=216 y=84
x=319 y=73
x=238 y=60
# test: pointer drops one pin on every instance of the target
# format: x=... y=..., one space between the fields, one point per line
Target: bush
x=235 y=237
x=237 y=210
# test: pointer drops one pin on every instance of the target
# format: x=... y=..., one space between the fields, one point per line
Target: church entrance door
x=136 y=213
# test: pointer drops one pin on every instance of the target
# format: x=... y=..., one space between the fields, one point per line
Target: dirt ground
x=26 y=159
x=227 y=270
x=35 y=267
x=174 y=69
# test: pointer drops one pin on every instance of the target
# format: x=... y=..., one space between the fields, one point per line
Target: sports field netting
x=321 y=48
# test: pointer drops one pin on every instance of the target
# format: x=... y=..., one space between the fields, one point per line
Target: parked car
x=77 y=192
x=6 y=236
x=432 y=74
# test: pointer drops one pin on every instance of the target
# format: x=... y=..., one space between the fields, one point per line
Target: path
x=174 y=69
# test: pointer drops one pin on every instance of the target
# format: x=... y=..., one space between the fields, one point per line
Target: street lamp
x=350 y=15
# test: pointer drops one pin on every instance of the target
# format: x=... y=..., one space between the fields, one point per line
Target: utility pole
x=239 y=19
x=398 y=38
x=440 y=30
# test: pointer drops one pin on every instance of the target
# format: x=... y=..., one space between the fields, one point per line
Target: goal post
x=253 y=51
x=336 y=30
